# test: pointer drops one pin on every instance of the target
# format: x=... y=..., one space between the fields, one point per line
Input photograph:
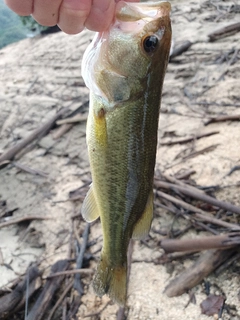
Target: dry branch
x=198 y=195
x=77 y=281
x=67 y=123
x=71 y=272
x=233 y=117
x=46 y=296
x=188 y=139
x=82 y=117
x=30 y=170
x=37 y=134
x=224 y=32
x=181 y=49
x=68 y=288
x=58 y=133
x=192 y=276
x=34 y=286
x=199 y=214
x=198 y=244
x=22 y=219
x=202 y=151
x=9 y=302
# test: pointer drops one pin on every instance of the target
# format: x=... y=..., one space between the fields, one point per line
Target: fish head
x=118 y=63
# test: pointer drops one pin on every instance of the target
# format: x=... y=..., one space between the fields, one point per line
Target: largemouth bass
x=124 y=68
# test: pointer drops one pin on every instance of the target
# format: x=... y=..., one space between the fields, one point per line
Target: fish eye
x=150 y=43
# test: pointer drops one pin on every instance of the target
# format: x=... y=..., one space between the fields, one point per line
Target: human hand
x=72 y=16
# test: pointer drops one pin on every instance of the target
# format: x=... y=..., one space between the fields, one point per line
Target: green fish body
x=124 y=68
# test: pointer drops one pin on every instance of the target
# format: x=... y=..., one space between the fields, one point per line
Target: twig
x=75 y=304
x=224 y=32
x=58 y=133
x=77 y=282
x=188 y=139
x=199 y=244
x=57 y=304
x=200 y=196
x=176 y=181
x=97 y=313
x=213 y=103
x=200 y=214
x=38 y=133
x=184 y=175
x=192 y=276
x=66 y=126
x=10 y=301
x=22 y=219
x=34 y=286
x=181 y=49
x=30 y=170
x=70 y=272
x=202 y=151
x=235 y=168
x=232 y=117
x=46 y=296
x=76 y=231
x=227 y=263
x=77 y=118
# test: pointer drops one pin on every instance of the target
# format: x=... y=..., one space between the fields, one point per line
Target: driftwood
x=189 y=278
x=37 y=134
x=46 y=296
x=224 y=32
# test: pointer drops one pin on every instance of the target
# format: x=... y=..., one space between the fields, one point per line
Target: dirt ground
x=39 y=76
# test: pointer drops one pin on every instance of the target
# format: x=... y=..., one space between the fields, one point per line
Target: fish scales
x=124 y=69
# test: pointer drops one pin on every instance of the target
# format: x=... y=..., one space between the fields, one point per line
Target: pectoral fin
x=143 y=225
x=89 y=210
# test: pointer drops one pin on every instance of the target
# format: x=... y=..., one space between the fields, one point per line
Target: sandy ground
x=39 y=76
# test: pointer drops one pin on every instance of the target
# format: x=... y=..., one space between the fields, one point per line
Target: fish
x=124 y=68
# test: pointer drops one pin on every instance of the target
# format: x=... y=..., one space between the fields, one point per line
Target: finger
x=128 y=0
x=73 y=14
x=23 y=7
x=46 y=12
x=101 y=15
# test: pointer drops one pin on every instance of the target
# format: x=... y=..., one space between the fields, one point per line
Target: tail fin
x=111 y=280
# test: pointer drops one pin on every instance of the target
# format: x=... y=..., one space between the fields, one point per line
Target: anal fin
x=143 y=225
x=89 y=210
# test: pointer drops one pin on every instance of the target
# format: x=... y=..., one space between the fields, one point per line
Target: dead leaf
x=212 y=304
